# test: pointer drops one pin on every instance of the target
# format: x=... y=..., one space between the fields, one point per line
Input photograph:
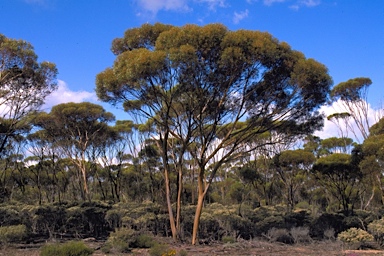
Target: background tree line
x=215 y=117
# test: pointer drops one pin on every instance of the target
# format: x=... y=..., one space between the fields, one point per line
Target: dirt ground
x=245 y=248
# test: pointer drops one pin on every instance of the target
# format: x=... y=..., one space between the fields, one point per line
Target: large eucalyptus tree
x=24 y=85
x=213 y=90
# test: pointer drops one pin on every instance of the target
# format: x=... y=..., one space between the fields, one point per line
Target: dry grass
x=242 y=247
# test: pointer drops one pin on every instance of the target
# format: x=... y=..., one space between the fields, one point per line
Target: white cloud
x=238 y=16
x=154 y=6
x=212 y=4
x=310 y=3
x=305 y=3
x=63 y=95
x=330 y=129
x=270 y=2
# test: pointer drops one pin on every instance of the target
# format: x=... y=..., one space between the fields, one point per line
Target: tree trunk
x=199 y=208
x=178 y=203
x=169 y=204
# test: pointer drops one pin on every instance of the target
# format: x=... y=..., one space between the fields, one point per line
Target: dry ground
x=245 y=248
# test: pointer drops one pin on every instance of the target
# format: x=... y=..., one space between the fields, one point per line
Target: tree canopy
x=213 y=89
x=24 y=85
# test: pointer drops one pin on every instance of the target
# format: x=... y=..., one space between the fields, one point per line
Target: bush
x=376 y=227
x=161 y=250
x=11 y=234
x=300 y=234
x=67 y=249
x=9 y=216
x=327 y=221
x=143 y=241
x=120 y=240
x=355 y=236
x=278 y=235
x=228 y=239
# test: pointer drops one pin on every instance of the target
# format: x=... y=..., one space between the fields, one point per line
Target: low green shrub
x=121 y=240
x=355 y=236
x=161 y=250
x=228 y=239
x=143 y=241
x=279 y=235
x=376 y=227
x=183 y=253
x=67 y=249
x=11 y=234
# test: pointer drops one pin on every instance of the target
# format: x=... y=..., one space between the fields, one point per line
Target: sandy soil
x=245 y=248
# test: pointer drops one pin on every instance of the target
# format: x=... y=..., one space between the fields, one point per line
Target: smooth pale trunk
x=169 y=205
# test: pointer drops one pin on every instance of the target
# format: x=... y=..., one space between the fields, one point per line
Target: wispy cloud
x=270 y=2
x=310 y=3
x=153 y=6
x=305 y=3
x=213 y=4
x=63 y=95
x=238 y=16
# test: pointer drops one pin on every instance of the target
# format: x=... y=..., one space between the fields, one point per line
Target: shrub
x=269 y=223
x=376 y=227
x=300 y=234
x=143 y=241
x=329 y=234
x=327 y=221
x=10 y=234
x=161 y=250
x=67 y=249
x=355 y=236
x=121 y=240
x=228 y=239
x=183 y=253
x=9 y=216
x=278 y=235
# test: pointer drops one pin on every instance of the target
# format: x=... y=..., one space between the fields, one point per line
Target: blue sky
x=345 y=35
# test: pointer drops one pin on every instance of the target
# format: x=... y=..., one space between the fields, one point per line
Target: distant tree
x=337 y=145
x=352 y=95
x=339 y=174
x=24 y=83
x=372 y=164
x=293 y=168
x=73 y=128
x=213 y=90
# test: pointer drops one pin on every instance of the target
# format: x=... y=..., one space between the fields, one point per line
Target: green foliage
x=11 y=234
x=9 y=216
x=67 y=249
x=143 y=241
x=183 y=253
x=121 y=239
x=325 y=222
x=279 y=235
x=228 y=239
x=355 y=235
x=376 y=228
x=161 y=250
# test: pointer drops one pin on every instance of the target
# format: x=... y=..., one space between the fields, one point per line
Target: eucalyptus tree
x=115 y=149
x=353 y=97
x=372 y=164
x=293 y=168
x=337 y=145
x=24 y=83
x=74 y=128
x=339 y=174
x=213 y=90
